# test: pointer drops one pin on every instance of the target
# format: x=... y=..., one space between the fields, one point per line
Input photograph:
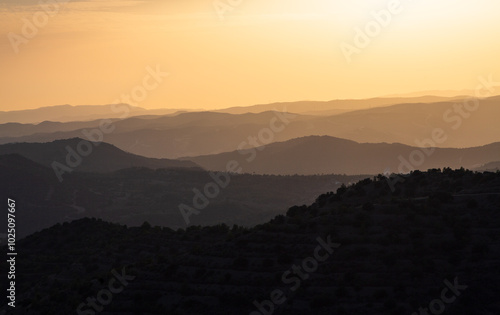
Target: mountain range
x=207 y=133
x=334 y=107
x=328 y=155
x=65 y=113
x=313 y=155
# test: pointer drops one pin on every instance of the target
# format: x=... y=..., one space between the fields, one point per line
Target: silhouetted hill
x=362 y=250
x=21 y=174
x=132 y=196
x=17 y=163
x=327 y=155
x=102 y=158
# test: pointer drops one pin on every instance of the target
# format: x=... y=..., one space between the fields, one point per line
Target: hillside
x=328 y=155
x=132 y=196
x=103 y=157
x=389 y=253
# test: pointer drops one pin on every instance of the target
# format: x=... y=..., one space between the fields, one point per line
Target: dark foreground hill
x=132 y=196
x=431 y=245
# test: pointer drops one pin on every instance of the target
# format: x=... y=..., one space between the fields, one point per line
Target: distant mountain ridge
x=205 y=133
x=74 y=113
x=329 y=155
x=66 y=113
x=166 y=136
x=339 y=106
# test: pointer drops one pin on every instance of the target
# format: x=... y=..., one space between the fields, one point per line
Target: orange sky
x=92 y=52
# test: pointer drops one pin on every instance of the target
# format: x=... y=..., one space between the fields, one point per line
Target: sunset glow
x=91 y=52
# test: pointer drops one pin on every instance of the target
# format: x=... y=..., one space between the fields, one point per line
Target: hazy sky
x=260 y=51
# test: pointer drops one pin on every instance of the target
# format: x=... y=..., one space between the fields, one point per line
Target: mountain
x=13 y=131
x=335 y=107
x=439 y=93
x=65 y=113
x=412 y=124
x=328 y=155
x=190 y=134
x=102 y=157
x=432 y=243
x=204 y=133
x=134 y=195
x=18 y=130
x=71 y=113
x=173 y=136
x=69 y=118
